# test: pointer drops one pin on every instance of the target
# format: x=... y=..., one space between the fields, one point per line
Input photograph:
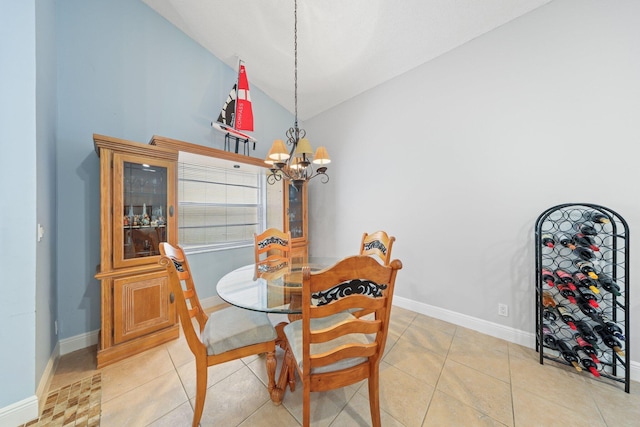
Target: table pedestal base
x=287 y=370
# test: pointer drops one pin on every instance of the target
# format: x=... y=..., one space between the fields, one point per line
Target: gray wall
x=458 y=157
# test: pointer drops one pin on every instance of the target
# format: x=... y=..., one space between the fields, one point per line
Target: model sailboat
x=237 y=114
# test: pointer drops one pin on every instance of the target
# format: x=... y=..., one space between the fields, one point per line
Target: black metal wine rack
x=605 y=252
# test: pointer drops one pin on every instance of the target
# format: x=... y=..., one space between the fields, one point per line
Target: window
x=221 y=203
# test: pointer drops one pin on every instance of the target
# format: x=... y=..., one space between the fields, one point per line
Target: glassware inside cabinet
x=296 y=218
x=144 y=209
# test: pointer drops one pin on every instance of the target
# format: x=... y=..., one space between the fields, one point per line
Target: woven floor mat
x=77 y=404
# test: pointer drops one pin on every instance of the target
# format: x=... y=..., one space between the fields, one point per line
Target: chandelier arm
x=273 y=177
x=324 y=179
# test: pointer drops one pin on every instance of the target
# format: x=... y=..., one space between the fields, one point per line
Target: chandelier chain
x=295 y=60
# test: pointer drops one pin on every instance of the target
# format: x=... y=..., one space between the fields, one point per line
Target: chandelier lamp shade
x=299 y=163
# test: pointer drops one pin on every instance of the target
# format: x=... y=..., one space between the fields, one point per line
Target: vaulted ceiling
x=345 y=47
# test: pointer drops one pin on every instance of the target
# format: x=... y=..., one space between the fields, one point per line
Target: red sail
x=244 y=112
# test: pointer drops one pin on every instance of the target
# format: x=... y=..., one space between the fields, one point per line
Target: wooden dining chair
x=222 y=336
x=329 y=347
x=272 y=247
x=378 y=244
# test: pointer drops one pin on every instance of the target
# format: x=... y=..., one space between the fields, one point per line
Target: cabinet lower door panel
x=141 y=306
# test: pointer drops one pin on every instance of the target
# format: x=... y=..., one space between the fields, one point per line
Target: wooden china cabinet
x=137 y=212
x=296 y=217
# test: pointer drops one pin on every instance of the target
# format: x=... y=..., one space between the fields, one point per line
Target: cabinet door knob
x=172 y=297
x=171 y=210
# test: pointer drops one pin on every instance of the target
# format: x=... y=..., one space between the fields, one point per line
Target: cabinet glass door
x=296 y=210
x=141 y=219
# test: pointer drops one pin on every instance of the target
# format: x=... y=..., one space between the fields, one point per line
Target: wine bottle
x=549 y=339
x=548 y=314
x=568 y=354
x=566 y=241
x=588 y=347
x=608 y=284
x=596 y=216
x=587 y=308
x=548 y=300
x=566 y=278
x=589 y=297
x=586 y=333
x=586 y=362
x=547 y=240
x=588 y=350
x=586 y=267
x=608 y=339
x=586 y=241
x=583 y=253
x=614 y=330
x=548 y=277
x=567 y=293
x=583 y=281
x=566 y=317
x=585 y=228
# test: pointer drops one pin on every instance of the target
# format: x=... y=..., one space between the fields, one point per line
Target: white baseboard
x=29 y=409
x=47 y=376
x=20 y=412
x=69 y=345
x=211 y=302
x=507 y=333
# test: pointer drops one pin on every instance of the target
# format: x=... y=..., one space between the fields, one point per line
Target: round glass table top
x=268 y=288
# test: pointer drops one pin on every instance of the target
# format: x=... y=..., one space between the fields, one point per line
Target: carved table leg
x=271 y=371
x=280 y=339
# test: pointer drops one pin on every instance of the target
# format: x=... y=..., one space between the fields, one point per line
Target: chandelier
x=297 y=164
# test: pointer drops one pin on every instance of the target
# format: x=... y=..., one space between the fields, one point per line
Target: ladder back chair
x=222 y=336
x=272 y=247
x=378 y=244
x=329 y=347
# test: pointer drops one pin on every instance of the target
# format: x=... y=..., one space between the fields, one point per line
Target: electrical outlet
x=40 y=232
x=503 y=310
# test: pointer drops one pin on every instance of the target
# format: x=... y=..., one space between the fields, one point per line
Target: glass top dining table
x=271 y=289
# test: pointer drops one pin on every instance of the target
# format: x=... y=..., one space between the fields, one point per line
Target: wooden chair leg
x=271 y=370
x=201 y=392
x=291 y=365
x=306 y=406
x=374 y=397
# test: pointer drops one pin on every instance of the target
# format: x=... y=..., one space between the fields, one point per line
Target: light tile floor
x=433 y=374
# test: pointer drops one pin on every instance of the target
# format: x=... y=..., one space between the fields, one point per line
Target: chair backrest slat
x=345 y=328
x=343 y=304
x=193 y=312
x=340 y=353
